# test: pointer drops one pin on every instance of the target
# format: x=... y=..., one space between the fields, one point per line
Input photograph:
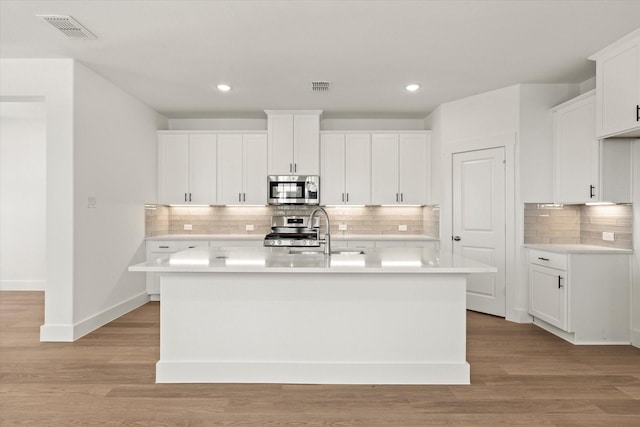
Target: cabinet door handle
x=559 y=282
x=239 y=197
x=397 y=199
x=543 y=259
x=290 y=167
x=402 y=197
x=591 y=193
x=185 y=197
x=347 y=197
x=244 y=197
x=295 y=167
x=189 y=196
x=343 y=197
x=638 y=113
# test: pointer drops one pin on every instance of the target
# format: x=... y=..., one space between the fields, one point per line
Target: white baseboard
x=311 y=373
x=635 y=337
x=520 y=315
x=69 y=333
x=22 y=285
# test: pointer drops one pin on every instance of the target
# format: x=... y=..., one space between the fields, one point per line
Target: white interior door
x=479 y=224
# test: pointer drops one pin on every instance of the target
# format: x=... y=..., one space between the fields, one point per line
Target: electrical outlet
x=249 y=227
x=342 y=227
x=610 y=237
x=91 y=202
x=188 y=227
x=402 y=227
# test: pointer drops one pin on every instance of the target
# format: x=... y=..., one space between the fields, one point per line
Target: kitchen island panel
x=320 y=328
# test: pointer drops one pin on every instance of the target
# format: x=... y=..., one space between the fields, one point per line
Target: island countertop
x=290 y=260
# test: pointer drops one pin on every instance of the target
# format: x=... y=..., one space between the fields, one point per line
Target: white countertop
x=576 y=248
x=279 y=260
x=334 y=237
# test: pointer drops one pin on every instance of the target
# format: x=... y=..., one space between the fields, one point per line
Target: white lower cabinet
x=581 y=297
x=160 y=248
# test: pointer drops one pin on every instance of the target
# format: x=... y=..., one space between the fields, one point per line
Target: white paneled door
x=479 y=224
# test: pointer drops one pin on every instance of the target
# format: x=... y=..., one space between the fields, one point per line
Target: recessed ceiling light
x=224 y=87
x=412 y=87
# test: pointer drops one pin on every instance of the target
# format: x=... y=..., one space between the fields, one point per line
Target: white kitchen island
x=264 y=315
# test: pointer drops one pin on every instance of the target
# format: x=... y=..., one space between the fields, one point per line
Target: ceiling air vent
x=69 y=26
x=320 y=86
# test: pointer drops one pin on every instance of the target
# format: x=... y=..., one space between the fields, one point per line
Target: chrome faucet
x=327 y=237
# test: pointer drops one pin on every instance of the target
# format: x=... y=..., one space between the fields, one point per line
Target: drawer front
x=548 y=259
x=174 y=245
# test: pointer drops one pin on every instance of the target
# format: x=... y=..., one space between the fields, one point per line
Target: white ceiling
x=172 y=54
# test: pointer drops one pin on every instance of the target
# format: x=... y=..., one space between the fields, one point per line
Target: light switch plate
x=248 y=227
x=188 y=227
x=342 y=227
x=610 y=237
x=402 y=227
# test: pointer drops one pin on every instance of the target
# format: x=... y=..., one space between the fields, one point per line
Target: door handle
x=456 y=238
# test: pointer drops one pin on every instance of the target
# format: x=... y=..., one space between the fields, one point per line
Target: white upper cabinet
x=585 y=168
x=294 y=142
x=242 y=169
x=345 y=177
x=618 y=88
x=186 y=168
x=400 y=168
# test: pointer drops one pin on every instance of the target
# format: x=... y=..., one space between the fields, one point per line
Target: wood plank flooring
x=521 y=375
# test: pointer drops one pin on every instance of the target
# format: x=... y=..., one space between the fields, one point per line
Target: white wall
x=52 y=80
x=337 y=123
x=218 y=124
x=23 y=196
x=107 y=149
x=635 y=285
x=115 y=161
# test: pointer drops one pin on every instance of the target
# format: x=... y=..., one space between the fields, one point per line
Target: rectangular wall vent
x=69 y=27
x=320 y=86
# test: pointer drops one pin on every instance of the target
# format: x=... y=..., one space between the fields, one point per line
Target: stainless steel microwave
x=293 y=189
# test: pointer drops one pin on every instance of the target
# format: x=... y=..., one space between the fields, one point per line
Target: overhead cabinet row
x=207 y=169
x=586 y=168
x=355 y=168
x=618 y=88
x=375 y=168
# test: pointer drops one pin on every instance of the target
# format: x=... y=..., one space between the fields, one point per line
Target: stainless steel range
x=292 y=231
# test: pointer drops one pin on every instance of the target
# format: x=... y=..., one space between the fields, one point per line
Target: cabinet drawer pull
x=190 y=247
x=543 y=259
x=163 y=247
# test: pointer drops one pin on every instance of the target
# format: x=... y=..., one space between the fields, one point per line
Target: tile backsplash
x=578 y=224
x=161 y=220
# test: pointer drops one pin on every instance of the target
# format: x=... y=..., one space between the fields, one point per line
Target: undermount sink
x=319 y=252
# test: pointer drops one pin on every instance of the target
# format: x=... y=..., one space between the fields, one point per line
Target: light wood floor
x=521 y=375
